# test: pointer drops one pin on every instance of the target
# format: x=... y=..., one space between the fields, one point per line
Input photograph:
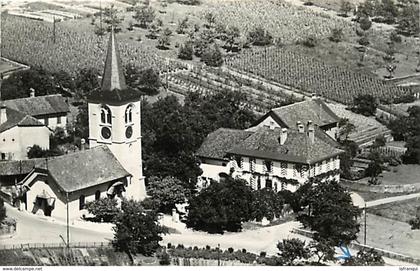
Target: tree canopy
x=167 y=191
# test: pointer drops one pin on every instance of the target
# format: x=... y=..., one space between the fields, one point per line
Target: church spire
x=113 y=76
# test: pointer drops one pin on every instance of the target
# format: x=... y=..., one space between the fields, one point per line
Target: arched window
x=81 y=202
x=106 y=115
x=97 y=195
x=129 y=114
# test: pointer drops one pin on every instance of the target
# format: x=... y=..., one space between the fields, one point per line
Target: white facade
x=256 y=173
x=15 y=142
x=53 y=122
x=125 y=147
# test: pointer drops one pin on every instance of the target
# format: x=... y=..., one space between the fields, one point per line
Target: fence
x=55 y=245
x=357 y=246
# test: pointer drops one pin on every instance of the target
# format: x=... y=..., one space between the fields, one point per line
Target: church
x=111 y=167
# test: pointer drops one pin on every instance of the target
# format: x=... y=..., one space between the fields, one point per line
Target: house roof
x=85 y=169
x=113 y=89
x=264 y=143
x=39 y=105
x=20 y=167
x=220 y=141
x=314 y=110
x=16 y=118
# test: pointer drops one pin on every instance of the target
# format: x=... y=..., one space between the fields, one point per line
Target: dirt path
x=391 y=199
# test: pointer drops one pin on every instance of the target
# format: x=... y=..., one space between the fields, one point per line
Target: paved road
x=391 y=199
x=33 y=229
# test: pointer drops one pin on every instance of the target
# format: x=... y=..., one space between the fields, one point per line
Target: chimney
x=31 y=92
x=3 y=115
x=283 y=136
x=300 y=127
x=311 y=132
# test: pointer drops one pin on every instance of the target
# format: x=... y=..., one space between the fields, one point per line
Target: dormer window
x=106 y=116
x=129 y=114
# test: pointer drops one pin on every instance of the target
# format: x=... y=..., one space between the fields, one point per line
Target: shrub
x=364 y=41
x=415 y=223
x=212 y=56
x=336 y=35
x=186 y=51
x=104 y=209
x=260 y=37
x=164 y=258
x=310 y=42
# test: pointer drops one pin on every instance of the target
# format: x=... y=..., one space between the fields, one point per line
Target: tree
x=167 y=192
x=81 y=127
x=292 y=250
x=37 y=152
x=408 y=23
x=336 y=35
x=266 y=203
x=323 y=250
x=137 y=230
x=86 y=81
x=213 y=56
x=210 y=19
x=154 y=30
x=164 y=39
x=345 y=128
x=149 y=80
x=2 y=211
x=365 y=104
x=327 y=209
x=186 y=51
x=388 y=11
x=345 y=8
x=375 y=166
x=260 y=37
x=366 y=257
x=144 y=15
x=182 y=26
x=104 y=209
x=365 y=23
x=112 y=18
x=220 y=207
x=231 y=38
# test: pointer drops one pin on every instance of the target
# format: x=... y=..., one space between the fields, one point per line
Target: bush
x=104 y=209
x=212 y=56
x=364 y=41
x=415 y=223
x=186 y=51
x=164 y=258
x=310 y=42
x=336 y=35
x=260 y=37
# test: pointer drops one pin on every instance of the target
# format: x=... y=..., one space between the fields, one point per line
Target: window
x=129 y=114
x=283 y=168
x=97 y=195
x=275 y=187
x=268 y=184
x=328 y=165
x=259 y=183
x=46 y=121
x=268 y=166
x=3 y=156
x=239 y=161
x=252 y=164
x=106 y=115
x=58 y=120
x=81 y=202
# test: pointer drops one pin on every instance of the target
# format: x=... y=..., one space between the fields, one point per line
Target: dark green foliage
x=292 y=250
x=345 y=8
x=222 y=206
x=136 y=230
x=310 y=42
x=86 y=81
x=327 y=209
x=366 y=257
x=364 y=41
x=394 y=37
x=260 y=37
x=266 y=203
x=144 y=15
x=336 y=35
x=164 y=258
x=182 y=26
x=365 y=104
x=345 y=129
x=212 y=56
x=408 y=23
x=104 y=209
x=415 y=223
x=323 y=250
x=365 y=23
x=81 y=128
x=37 y=152
x=375 y=167
x=186 y=51
x=146 y=80
x=164 y=39
x=167 y=192
x=2 y=211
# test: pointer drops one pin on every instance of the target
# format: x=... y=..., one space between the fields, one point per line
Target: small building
x=271 y=157
x=314 y=110
x=19 y=132
x=74 y=179
x=50 y=110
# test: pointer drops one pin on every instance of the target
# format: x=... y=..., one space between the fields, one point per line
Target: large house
x=111 y=166
x=314 y=110
x=50 y=110
x=19 y=132
x=270 y=156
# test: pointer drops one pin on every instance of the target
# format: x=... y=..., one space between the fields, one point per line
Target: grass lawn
x=6 y=66
x=402 y=174
x=369 y=196
x=401 y=211
x=391 y=235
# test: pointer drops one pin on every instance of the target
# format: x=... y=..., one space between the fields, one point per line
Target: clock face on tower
x=129 y=132
x=106 y=132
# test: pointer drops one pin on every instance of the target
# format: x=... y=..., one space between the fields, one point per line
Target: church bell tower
x=114 y=120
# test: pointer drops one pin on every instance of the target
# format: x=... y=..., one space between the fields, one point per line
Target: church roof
x=113 y=89
x=16 y=118
x=40 y=105
x=85 y=169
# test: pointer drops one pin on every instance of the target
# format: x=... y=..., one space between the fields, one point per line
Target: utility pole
x=218 y=254
x=67 y=220
x=364 y=235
